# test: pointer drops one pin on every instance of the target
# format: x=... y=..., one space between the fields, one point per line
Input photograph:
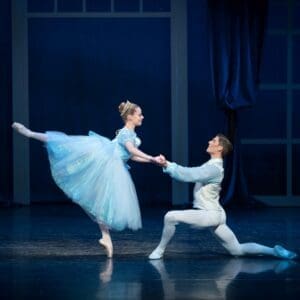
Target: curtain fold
x=236 y=34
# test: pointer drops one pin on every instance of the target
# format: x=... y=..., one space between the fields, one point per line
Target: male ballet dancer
x=207 y=211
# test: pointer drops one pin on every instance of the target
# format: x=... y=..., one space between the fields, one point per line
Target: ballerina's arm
x=138 y=155
x=139 y=159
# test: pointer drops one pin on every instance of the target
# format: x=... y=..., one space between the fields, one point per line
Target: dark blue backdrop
x=5 y=104
x=236 y=38
x=81 y=69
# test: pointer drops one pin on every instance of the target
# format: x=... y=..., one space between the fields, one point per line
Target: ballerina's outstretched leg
x=20 y=128
x=105 y=241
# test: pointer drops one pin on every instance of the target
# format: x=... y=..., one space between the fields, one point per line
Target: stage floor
x=52 y=252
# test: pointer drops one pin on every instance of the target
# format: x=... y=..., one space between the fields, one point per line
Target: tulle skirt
x=91 y=172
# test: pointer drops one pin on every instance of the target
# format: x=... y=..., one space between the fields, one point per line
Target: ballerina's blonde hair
x=127 y=108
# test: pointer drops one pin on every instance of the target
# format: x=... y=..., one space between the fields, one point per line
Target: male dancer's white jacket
x=207 y=212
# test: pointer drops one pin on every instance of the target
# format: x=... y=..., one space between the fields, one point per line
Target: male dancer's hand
x=157 y=160
x=162 y=161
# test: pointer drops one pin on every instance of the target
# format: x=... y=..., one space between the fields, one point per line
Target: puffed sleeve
x=125 y=136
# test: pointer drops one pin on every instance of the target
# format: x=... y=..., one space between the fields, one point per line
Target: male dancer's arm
x=203 y=173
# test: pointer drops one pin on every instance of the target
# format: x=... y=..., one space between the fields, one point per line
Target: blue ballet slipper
x=284 y=253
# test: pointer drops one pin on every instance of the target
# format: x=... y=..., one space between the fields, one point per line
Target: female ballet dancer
x=92 y=171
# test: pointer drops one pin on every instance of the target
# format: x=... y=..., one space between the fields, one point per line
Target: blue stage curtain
x=236 y=33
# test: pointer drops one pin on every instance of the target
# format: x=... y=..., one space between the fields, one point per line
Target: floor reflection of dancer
x=92 y=171
x=220 y=275
x=105 y=275
x=207 y=212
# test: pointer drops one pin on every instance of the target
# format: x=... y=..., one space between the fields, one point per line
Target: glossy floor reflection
x=51 y=252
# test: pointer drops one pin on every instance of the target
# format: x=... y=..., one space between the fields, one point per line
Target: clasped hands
x=160 y=160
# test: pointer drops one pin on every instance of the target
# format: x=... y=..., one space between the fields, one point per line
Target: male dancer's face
x=214 y=147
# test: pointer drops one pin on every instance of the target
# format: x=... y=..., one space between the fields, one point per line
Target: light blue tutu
x=92 y=171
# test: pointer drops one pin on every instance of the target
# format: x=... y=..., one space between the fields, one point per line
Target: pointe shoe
x=156 y=254
x=284 y=253
x=108 y=247
x=20 y=128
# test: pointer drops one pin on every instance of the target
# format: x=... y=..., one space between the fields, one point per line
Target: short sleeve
x=126 y=135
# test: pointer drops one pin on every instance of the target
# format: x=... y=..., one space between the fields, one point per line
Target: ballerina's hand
x=156 y=160
x=160 y=160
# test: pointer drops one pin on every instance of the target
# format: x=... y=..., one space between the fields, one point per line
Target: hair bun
x=121 y=107
x=124 y=107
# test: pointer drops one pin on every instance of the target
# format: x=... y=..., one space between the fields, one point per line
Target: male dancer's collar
x=216 y=160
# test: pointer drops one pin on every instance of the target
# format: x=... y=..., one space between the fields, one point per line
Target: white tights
x=20 y=128
x=216 y=222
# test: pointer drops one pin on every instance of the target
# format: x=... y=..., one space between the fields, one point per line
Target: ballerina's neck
x=130 y=127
